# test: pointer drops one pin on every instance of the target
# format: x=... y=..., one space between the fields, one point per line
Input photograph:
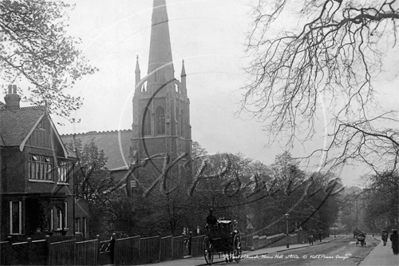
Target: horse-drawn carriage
x=360 y=237
x=222 y=238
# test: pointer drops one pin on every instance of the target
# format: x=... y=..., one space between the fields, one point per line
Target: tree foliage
x=383 y=203
x=35 y=47
x=93 y=183
x=330 y=51
x=92 y=179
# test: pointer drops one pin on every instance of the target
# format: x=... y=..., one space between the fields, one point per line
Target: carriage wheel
x=208 y=252
x=237 y=251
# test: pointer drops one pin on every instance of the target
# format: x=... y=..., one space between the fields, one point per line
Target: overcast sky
x=209 y=36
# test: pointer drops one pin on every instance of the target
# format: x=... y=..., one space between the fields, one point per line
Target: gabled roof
x=115 y=144
x=16 y=125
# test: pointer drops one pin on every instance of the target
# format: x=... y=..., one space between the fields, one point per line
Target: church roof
x=115 y=144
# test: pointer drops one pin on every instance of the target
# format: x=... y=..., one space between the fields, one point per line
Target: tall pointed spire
x=183 y=70
x=183 y=76
x=160 y=48
x=137 y=72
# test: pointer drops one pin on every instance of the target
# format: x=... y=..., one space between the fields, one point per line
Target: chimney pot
x=12 y=98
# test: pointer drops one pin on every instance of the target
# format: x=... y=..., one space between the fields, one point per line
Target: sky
x=210 y=36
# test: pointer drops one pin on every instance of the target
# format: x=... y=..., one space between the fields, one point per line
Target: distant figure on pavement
x=210 y=219
x=384 y=237
x=311 y=239
x=394 y=240
x=320 y=235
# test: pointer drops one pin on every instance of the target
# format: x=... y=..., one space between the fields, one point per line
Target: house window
x=147 y=122
x=160 y=120
x=52 y=219
x=64 y=169
x=84 y=226
x=65 y=215
x=60 y=217
x=15 y=217
x=78 y=227
x=40 y=168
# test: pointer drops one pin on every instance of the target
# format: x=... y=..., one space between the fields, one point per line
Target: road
x=342 y=251
x=339 y=251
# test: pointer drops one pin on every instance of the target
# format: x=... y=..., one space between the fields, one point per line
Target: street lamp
x=286 y=222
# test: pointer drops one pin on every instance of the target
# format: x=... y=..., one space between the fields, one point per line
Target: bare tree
x=333 y=54
x=35 y=48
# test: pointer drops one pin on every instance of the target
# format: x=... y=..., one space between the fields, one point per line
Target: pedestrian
x=210 y=219
x=394 y=240
x=320 y=235
x=311 y=239
x=384 y=237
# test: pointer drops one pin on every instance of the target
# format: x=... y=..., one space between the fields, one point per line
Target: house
x=37 y=193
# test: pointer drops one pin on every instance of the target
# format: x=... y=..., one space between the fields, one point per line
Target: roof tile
x=16 y=124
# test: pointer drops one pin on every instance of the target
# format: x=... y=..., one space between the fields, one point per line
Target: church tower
x=161 y=108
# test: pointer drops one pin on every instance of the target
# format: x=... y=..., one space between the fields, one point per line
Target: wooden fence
x=127 y=251
x=87 y=252
x=124 y=251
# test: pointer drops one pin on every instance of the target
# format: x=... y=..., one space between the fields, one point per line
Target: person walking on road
x=384 y=237
x=394 y=240
x=210 y=219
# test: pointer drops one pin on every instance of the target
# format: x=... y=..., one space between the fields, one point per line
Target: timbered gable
x=41 y=134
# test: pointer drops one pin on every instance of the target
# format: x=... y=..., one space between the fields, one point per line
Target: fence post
x=190 y=237
x=173 y=247
x=112 y=247
x=29 y=240
x=98 y=248
x=160 y=247
x=48 y=250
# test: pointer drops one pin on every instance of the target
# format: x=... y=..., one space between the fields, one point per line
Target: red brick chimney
x=12 y=98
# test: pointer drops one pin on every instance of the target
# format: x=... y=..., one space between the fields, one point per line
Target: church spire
x=137 y=72
x=183 y=75
x=160 y=48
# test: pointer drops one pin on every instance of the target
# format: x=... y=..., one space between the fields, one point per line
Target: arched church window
x=181 y=122
x=146 y=121
x=177 y=121
x=160 y=120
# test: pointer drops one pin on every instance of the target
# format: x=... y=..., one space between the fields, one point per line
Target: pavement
x=381 y=256
x=192 y=261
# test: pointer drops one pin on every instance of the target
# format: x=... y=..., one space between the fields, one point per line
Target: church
x=161 y=127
